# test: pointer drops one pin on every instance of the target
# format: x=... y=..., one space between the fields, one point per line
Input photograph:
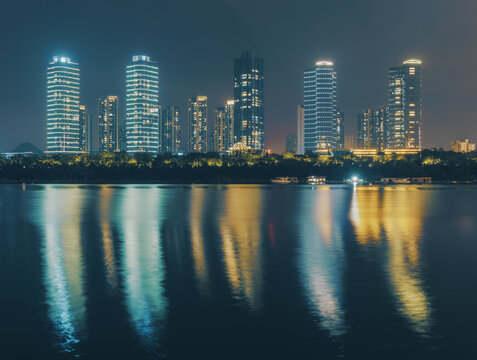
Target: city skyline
x=358 y=64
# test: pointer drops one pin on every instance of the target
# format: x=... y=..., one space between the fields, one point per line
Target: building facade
x=404 y=128
x=291 y=144
x=170 y=129
x=249 y=125
x=364 y=129
x=142 y=105
x=300 y=130
x=320 y=104
x=197 y=119
x=372 y=127
x=108 y=121
x=462 y=146
x=340 y=137
x=63 y=106
x=85 y=129
x=219 y=129
x=379 y=121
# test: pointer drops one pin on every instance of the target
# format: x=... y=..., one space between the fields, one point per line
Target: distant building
x=300 y=130
x=462 y=146
x=340 y=130
x=364 y=129
x=108 y=121
x=249 y=126
x=142 y=105
x=63 y=106
x=350 y=142
x=85 y=129
x=371 y=127
x=197 y=116
x=122 y=138
x=320 y=103
x=291 y=144
x=379 y=122
x=170 y=129
x=404 y=128
x=223 y=134
x=229 y=121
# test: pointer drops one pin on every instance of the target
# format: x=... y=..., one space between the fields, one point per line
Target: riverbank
x=212 y=168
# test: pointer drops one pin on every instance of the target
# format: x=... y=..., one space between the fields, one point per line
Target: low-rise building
x=462 y=146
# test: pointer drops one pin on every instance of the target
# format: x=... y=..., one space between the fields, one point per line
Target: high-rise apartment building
x=223 y=137
x=219 y=129
x=320 y=103
x=249 y=126
x=404 y=128
x=197 y=119
x=85 y=129
x=63 y=106
x=379 y=124
x=170 y=129
x=300 y=130
x=340 y=137
x=371 y=128
x=142 y=105
x=108 y=121
x=364 y=129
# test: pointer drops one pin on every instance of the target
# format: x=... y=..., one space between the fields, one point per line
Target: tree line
x=240 y=168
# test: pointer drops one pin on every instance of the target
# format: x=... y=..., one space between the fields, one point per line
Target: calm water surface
x=238 y=272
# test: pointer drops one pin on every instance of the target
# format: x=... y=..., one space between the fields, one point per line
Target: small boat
x=285 y=180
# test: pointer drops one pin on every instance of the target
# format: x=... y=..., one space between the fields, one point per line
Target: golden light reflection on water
x=366 y=216
x=241 y=236
x=398 y=213
x=196 y=232
x=321 y=259
x=63 y=262
x=105 y=197
x=143 y=269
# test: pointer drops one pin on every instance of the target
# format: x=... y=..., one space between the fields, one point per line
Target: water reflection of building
x=397 y=214
x=60 y=220
x=241 y=244
x=197 y=239
x=366 y=214
x=105 y=198
x=321 y=257
x=143 y=270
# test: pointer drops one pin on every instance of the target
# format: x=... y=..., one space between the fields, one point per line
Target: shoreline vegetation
x=243 y=168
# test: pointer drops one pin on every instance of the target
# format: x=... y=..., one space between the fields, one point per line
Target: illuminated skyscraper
x=223 y=126
x=320 y=103
x=371 y=128
x=300 y=131
x=229 y=124
x=142 y=105
x=364 y=129
x=219 y=129
x=85 y=129
x=63 y=102
x=249 y=125
x=340 y=129
x=108 y=124
x=197 y=116
x=404 y=128
x=378 y=126
x=170 y=129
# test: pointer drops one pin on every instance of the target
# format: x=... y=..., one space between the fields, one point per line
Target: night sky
x=195 y=42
